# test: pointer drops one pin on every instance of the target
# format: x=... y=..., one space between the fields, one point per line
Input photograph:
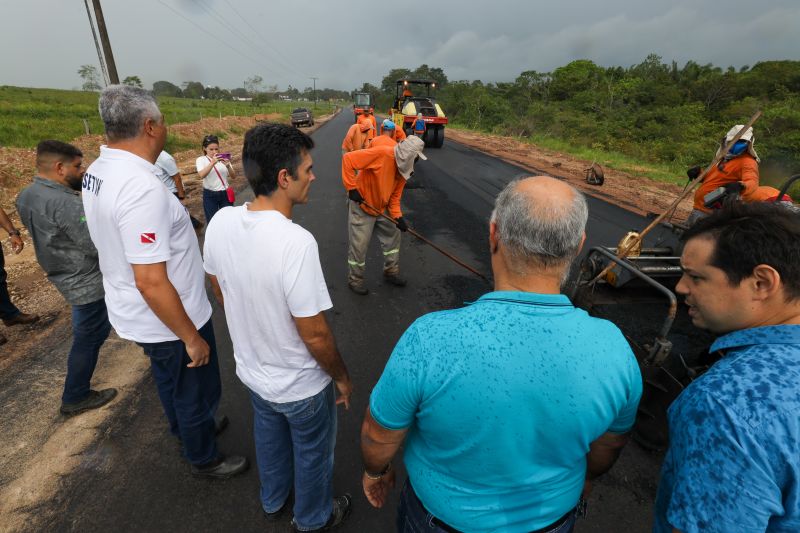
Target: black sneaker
x=276 y=515
x=342 y=505
x=21 y=319
x=222 y=467
x=220 y=423
x=395 y=280
x=96 y=398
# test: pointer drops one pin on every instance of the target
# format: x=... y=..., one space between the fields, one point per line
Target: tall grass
x=29 y=115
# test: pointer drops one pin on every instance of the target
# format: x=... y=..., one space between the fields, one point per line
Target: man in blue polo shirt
x=734 y=458
x=511 y=405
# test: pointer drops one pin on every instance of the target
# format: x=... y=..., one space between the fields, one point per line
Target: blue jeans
x=190 y=396
x=213 y=201
x=412 y=517
x=90 y=328
x=294 y=443
x=7 y=309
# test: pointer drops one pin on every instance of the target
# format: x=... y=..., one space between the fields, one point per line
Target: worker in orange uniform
x=397 y=134
x=369 y=115
x=386 y=136
x=739 y=165
x=377 y=176
x=357 y=137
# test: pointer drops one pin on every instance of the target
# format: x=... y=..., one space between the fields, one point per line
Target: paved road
x=134 y=479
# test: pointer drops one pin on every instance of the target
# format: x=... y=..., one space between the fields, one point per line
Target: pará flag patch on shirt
x=148 y=238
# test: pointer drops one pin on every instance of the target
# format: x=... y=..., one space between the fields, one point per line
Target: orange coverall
x=378 y=180
x=374 y=131
x=355 y=138
x=383 y=140
x=743 y=168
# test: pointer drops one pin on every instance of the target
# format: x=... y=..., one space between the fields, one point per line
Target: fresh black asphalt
x=134 y=479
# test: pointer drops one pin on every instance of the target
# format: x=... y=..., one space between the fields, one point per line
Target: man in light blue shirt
x=510 y=405
x=733 y=464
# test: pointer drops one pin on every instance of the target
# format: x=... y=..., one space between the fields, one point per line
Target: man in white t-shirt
x=265 y=269
x=168 y=172
x=153 y=273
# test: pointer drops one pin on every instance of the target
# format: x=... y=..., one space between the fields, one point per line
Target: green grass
x=625 y=163
x=655 y=171
x=29 y=115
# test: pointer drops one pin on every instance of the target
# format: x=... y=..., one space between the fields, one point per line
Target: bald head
x=546 y=193
x=540 y=222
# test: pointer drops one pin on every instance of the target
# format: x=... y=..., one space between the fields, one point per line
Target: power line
x=277 y=52
x=220 y=19
x=233 y=29
x=210 y=34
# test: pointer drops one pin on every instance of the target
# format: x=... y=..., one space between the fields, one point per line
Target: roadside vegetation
x=654 y=118
x=29 y=115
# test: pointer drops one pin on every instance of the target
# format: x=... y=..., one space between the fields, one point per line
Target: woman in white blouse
x=216 y=172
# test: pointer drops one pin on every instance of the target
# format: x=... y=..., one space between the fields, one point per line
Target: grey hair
x=124 y=110
x=539 y=233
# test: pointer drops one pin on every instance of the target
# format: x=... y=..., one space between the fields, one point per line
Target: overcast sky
x=345 y=43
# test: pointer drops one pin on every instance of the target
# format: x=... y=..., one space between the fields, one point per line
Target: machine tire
x=438 y=137
x=431 y=136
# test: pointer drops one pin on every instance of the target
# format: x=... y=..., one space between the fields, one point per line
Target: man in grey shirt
x=52 y=211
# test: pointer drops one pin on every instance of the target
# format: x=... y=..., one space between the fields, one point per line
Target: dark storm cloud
x=345 y=43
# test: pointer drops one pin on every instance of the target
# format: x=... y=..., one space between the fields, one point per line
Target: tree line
x=653 y=111
x=253 y=87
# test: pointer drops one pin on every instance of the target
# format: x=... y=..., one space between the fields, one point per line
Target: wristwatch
x=379 y=474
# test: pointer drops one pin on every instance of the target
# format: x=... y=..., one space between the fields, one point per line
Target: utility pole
x=315 y=91
x=97 y=45
x=109 y=56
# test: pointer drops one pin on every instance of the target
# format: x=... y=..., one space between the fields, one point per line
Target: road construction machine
x=408 y=105
x=637 y=293
x=362 y=102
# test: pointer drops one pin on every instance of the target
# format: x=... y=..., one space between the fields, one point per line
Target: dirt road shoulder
x=42 y=447
x=635 y=193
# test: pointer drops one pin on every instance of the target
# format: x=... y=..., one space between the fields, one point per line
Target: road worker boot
x=357 y=286
x=394 y=278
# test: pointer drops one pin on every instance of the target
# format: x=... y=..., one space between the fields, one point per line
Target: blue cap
x=387 y=124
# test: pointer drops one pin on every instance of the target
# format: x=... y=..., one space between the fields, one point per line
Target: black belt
x=441 y=525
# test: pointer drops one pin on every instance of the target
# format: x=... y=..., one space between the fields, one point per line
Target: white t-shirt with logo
x=269 y=271
x=212 y=181
x=133 y=219
x=166 y=167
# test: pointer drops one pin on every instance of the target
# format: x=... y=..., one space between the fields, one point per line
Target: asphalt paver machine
x=638 y=294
